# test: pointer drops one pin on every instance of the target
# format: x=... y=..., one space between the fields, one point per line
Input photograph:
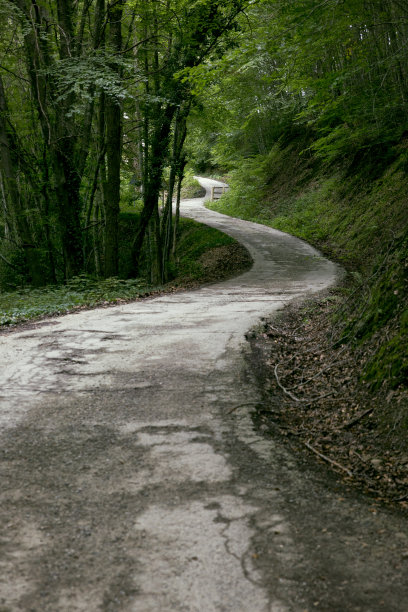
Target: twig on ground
x=305 y=401
x=296 y=399
x=318 y=397
x=327 y=367
x=357 y=418
x=282 y=332
x=400 y=499
x=335 y=463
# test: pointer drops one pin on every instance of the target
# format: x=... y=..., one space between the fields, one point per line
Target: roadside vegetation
x=360 y=223
x=94 y=101
x=190 y=187
x=204 y=254
x=314 y=141
x=335 y=371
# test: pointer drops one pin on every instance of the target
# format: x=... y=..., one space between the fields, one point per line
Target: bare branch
x=357 y=418
x=296 y=399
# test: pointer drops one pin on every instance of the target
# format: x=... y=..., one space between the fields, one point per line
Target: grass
x=194 y=241
x=191 y=188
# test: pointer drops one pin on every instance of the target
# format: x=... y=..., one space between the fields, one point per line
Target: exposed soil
x=315 y=397
x=224 y=262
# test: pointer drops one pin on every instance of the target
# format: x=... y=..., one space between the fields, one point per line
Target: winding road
x=132 y=478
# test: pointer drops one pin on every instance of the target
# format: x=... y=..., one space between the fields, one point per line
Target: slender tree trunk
x=179 y=136
x=153 y=172
x=17 y=216
x=113 y=153
x=97 y=238
x=183 y=163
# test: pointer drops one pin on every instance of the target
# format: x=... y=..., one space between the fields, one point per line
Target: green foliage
x=130 y=196
x=80 y=291
x=354 y=219
x=11 y=267
x=390 y=363
x=315 y=143
x=334 y=70
x=80 y=85
x=383 y=309
x=87 y=76
x=194 y=240
x=191 y=188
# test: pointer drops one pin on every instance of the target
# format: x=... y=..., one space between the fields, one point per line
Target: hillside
x=359 y=222
x=344 y=355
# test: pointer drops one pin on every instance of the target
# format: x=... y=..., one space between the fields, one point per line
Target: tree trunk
x=153 y=173
x=17 y=215
x=180 y=132
x=183 y=163
x=113 y=153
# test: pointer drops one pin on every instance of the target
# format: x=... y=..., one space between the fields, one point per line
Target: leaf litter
x=315 y=396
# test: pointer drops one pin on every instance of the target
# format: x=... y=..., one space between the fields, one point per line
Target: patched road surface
x=132 y=478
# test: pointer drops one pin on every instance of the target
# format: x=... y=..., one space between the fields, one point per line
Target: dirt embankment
x=315 y=398
x=217 y=264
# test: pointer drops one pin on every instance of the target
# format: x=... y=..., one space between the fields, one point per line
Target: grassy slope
x=357 y=217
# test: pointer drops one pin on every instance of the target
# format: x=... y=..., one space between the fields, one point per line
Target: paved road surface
x=132 y=479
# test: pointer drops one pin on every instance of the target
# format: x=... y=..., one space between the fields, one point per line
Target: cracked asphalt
x=132 y=478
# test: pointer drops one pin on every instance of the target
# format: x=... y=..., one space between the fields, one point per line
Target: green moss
x=390 y=363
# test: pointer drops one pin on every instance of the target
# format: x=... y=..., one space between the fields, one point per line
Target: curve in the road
x=132 y=479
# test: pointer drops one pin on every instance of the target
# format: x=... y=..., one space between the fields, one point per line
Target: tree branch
x=14 y=74
x=6 y=261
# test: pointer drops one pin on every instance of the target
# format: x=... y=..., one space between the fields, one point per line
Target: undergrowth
x=81 y=291
x=86 y=291
x=191 y=188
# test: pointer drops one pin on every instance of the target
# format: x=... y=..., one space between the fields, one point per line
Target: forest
x=301 y=105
